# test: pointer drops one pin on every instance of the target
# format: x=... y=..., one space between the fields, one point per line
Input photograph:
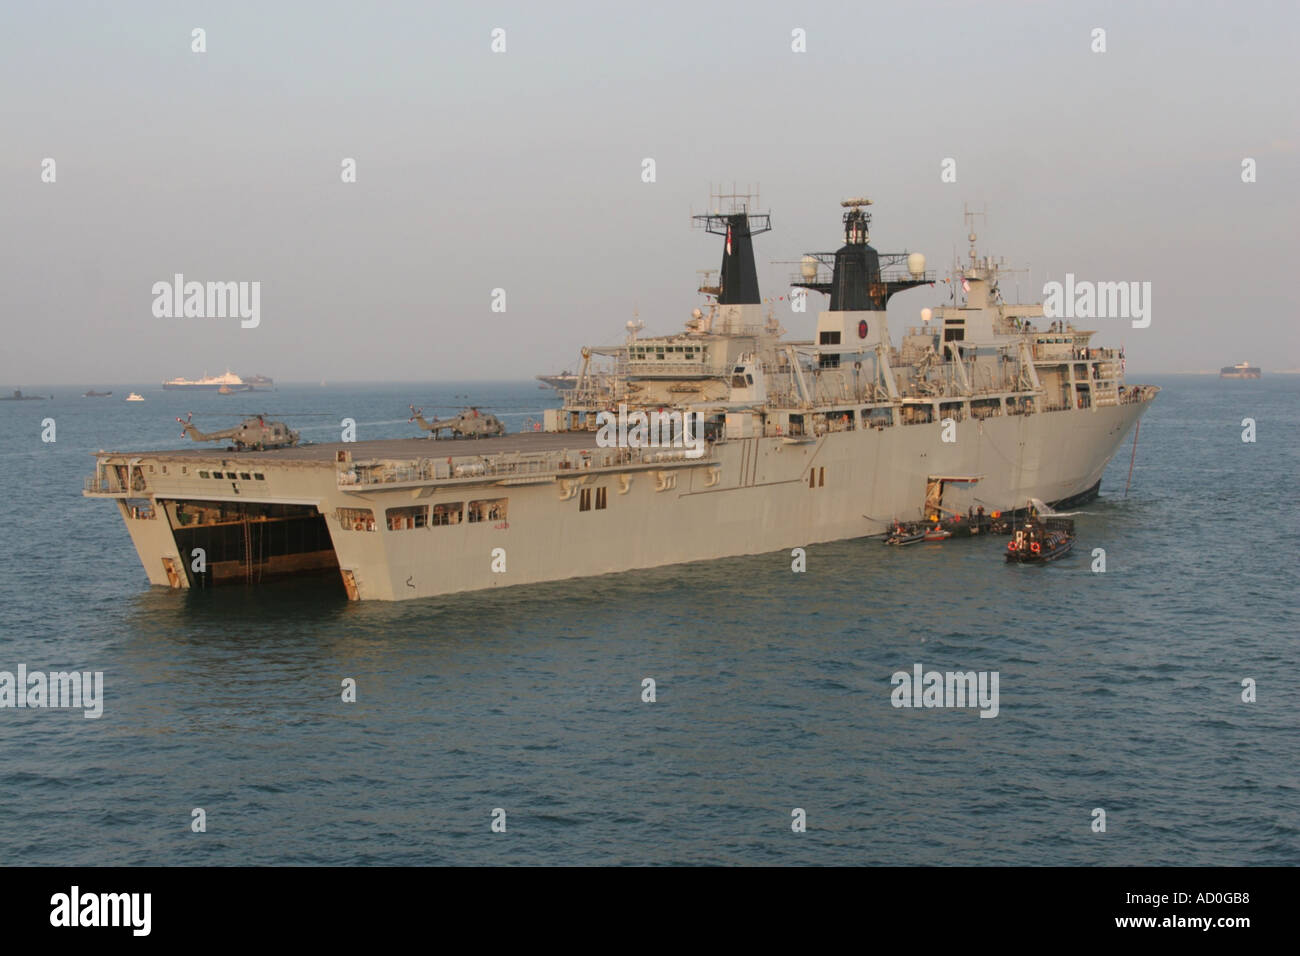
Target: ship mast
x=738 y=281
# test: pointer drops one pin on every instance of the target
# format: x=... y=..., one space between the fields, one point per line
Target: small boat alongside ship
x=1043 y=536
x=900 y=535
x=973 y=523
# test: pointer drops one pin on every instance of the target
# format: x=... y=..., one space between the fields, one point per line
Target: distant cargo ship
x=94 y=394
x=562 y=382
x=229 y=381
x=1244 y=370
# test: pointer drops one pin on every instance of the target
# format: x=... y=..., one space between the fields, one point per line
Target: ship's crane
x=252 y=434
x=470 y=423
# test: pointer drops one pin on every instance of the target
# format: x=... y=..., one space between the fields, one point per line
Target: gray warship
x=803 y=441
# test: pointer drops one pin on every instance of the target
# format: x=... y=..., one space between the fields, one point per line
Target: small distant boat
x=135 y=397
x=225 y=390
x=94 y=394
x=936 y=534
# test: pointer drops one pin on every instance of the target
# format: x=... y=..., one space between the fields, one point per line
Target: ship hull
x=748 y=496
x=174 y=387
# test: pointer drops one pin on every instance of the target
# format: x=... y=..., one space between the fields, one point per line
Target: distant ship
x=231 y=381
x=135 y=397
x=1244 y=370
x=94 y=394
x=18 y=396
x=563 y=382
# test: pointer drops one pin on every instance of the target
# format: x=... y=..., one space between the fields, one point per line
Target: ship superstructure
x=813 y=440
x=229 y=381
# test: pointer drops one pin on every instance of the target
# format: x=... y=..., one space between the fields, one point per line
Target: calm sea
x=1120 y=690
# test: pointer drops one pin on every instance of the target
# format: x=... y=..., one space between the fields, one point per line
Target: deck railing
x=542 y=466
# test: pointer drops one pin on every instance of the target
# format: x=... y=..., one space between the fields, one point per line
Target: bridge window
x=584 y=499
x=828 y=338
x=600 y=499
x=203 y=474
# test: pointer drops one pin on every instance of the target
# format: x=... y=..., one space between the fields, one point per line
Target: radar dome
x=916 y=264
x=926 y=315
x=808 y=267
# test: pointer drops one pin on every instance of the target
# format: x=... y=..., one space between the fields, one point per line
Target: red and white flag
x=728 y=240
x=965 y=286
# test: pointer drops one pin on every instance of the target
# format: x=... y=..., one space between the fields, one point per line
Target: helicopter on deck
x=470 y=423
x=252 y=434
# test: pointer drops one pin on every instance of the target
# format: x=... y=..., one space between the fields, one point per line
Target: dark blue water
x=1118 y=690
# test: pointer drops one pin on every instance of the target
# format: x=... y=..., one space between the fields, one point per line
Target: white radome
x=808 y=267
x=926 y=315
x=916 y=264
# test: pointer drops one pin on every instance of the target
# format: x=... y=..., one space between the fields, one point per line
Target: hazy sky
x=522 y=170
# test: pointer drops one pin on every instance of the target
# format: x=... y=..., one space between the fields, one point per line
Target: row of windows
x=257 y=475
x=689 y=352
x=410 y=517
